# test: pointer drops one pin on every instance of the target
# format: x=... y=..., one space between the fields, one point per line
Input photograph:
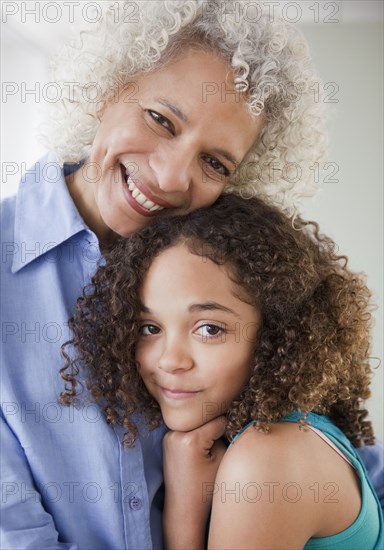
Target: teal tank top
x=366 y=533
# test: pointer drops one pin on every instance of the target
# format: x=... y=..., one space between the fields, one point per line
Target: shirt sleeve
x=24 y=522
x=373 y=458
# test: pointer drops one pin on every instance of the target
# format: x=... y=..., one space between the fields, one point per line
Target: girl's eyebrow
x=206 y=306
x=209 y=306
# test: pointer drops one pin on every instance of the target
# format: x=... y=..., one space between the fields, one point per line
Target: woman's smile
x=144 y=202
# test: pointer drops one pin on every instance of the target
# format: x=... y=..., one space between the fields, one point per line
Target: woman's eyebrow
x=226 y=155
x=175 y=109
x=209 y=306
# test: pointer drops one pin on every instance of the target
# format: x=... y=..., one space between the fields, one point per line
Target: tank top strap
x=324 y=425
x=241 y=431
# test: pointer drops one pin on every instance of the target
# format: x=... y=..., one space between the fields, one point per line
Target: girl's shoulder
x=289 y=478
x=292 y=453
x=285 y=450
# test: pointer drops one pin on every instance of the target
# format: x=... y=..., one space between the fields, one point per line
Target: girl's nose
x=175 y=358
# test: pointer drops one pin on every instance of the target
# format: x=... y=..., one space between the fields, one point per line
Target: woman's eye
x=210 y=331
x=162 y=121
x=216 y=165
x=148 y=330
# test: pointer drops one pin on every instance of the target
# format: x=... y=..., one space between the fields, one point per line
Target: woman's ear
x=101 y=106
x=127 y=90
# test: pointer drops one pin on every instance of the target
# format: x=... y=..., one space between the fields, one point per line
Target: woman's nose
x=175 y=357
x=172 y=165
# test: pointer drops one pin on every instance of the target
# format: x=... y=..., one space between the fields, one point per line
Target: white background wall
x=347 y=43
x=350 y=210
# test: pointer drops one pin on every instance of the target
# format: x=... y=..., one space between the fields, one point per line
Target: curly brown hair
x=312 y=350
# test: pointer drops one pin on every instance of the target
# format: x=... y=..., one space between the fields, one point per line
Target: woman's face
x=167 y=144
x=197 y=338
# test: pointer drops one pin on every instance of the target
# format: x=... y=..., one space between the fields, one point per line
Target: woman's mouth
x=137 y=198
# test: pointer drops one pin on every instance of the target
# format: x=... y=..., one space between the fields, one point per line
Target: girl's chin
x=179 y=426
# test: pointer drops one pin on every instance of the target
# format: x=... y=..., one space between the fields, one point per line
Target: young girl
x=239 y=311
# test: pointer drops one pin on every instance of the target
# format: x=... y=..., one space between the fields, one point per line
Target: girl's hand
x=191 y=461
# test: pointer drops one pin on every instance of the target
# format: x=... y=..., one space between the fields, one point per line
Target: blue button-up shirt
x=67 y=482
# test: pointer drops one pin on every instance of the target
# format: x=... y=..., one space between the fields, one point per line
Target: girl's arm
x=191 y=461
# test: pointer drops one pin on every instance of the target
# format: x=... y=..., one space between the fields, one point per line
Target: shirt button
x=135 y=503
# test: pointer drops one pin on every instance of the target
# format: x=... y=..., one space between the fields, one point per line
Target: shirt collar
x=46 y=215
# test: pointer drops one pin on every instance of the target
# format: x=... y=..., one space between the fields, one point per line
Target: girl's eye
x=148 y=330
x=210 y=331
x=216 y=165
x=162 y=121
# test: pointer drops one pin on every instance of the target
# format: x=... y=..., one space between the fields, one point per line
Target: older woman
x=167 y=107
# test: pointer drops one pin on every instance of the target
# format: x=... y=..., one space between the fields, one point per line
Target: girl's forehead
x=185 y=271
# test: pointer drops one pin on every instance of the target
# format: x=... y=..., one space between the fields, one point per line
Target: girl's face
x=166 y=144
x=197 y=338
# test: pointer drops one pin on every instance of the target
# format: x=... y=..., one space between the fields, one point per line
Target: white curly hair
x=271 y=62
